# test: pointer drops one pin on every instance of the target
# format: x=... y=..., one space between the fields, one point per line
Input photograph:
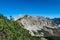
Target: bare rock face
x=43 y=39
x=37 y=25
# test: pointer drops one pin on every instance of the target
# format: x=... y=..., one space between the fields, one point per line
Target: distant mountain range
x=57 y=20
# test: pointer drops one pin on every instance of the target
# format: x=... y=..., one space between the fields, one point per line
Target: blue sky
x=47 y=8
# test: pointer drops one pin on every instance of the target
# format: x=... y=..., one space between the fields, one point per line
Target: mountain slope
x=14 y=30
x=39 y=26
x=10 y=30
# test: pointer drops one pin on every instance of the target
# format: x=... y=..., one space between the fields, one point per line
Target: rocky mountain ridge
x=38 y=26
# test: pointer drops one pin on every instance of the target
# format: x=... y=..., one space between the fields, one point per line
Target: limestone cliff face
x=37 y=25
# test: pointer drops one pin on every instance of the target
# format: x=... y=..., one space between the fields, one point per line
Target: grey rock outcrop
x=37 y=25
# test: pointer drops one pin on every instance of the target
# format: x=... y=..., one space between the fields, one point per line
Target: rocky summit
x=39 y=26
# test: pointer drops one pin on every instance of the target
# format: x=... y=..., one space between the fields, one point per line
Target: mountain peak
x=37 y=23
